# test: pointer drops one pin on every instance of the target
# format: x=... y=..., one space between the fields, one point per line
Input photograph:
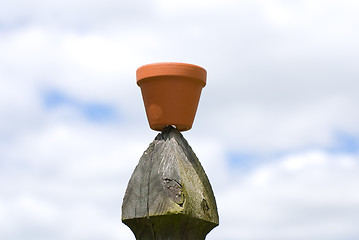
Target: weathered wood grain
x=169 y=196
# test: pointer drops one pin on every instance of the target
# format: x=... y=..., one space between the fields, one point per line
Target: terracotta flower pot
x=171 y=93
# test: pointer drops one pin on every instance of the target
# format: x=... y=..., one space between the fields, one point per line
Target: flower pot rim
x=171 y=69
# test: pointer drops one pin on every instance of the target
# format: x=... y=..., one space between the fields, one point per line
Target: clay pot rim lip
x=186 y=70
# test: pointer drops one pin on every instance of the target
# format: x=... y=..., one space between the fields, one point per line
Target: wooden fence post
x=169 y=196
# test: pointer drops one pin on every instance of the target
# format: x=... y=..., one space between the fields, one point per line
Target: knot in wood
x=174 y=191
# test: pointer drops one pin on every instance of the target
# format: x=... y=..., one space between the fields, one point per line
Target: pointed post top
x=169 y=195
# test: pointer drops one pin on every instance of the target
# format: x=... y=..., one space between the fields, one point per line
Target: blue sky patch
x=54 y=99
x=93 y=111
x=99 y=112
x=240 y=160
x=345 y=142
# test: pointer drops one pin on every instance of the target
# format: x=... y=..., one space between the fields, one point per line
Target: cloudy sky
x=276 y=129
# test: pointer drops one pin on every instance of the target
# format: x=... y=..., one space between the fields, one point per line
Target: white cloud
x=316 y=201
x=67 y=181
